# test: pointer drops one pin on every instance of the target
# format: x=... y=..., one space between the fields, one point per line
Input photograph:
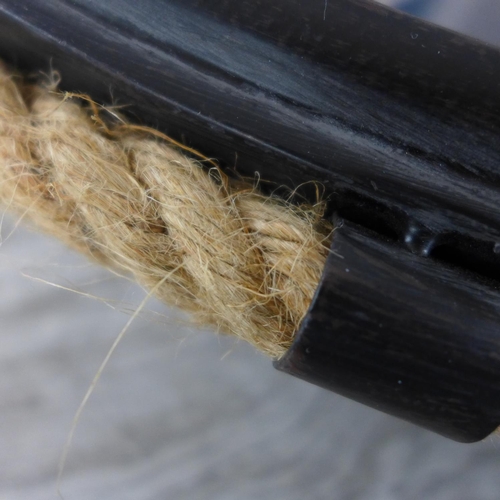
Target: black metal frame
x=398 y=119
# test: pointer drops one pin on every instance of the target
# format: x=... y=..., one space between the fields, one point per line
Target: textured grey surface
x=182 y=414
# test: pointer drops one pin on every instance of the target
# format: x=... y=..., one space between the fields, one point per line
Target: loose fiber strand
x=93 y=384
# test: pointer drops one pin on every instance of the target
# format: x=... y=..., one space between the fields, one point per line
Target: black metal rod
x=398 y=119
x=403 y=335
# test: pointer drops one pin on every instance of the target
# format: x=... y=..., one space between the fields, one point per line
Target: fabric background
x=182 y=414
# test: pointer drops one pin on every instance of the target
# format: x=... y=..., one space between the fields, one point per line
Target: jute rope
x=246 y=263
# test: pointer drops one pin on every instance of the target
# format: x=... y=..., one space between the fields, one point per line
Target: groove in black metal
x=399 y=333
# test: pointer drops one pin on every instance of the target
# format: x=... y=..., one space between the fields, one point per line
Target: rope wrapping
x=243 y=262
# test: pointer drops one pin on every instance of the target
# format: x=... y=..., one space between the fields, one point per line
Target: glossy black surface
x=404 y=335
x=397 y=119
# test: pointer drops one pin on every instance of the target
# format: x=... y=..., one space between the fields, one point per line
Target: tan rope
x=246 y=263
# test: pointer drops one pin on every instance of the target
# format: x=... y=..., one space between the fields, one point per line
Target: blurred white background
x=477 y=18
x=182 y=414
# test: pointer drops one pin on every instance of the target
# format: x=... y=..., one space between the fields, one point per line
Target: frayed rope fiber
x=245 y=263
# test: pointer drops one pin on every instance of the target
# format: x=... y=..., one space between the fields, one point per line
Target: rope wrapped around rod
x=246 y=263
